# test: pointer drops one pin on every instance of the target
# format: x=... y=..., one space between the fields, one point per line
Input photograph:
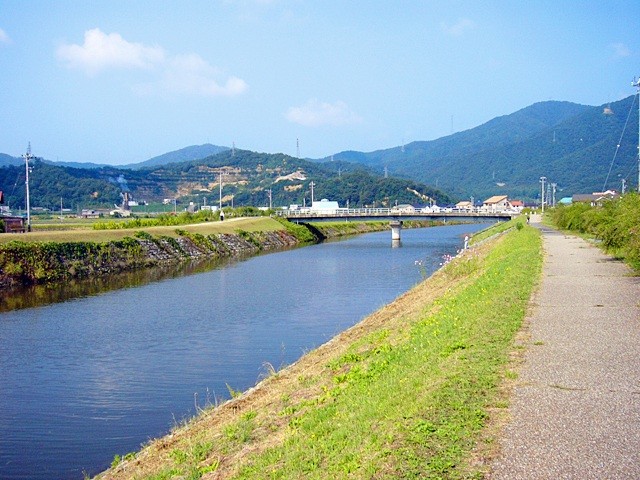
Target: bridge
x=395 y=216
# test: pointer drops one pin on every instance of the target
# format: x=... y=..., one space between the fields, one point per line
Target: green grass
x=414 y=409
x=408 y=393
x=87 y=234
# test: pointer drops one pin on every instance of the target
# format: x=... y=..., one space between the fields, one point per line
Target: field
x=82 y=231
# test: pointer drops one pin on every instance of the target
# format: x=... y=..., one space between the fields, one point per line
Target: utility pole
x=312 y=184
x=553 y=193
x=27 y=156
x=624 y=185
x=542 y=180
x=269 y=193
x=636 y=83
x=220 y=191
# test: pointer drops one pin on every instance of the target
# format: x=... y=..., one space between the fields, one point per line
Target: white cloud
x=620 y=50
x=101 y=51
x=4 y=38
x=185 y=74
x=191 y=74
x=315 y=114
x=458 y=28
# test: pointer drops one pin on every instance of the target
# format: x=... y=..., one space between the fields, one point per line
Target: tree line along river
x=97 y=375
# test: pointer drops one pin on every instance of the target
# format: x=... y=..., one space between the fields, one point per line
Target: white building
x=324 y=206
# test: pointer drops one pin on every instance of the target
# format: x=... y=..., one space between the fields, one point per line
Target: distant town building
x=496 y=203
x=88 y=213
x=517 y=205
x=12 y=224
x=404 y=208
x=464 y=205
x=325 y=206
x=595 y=198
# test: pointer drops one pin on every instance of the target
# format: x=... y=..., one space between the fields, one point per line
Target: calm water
x=88 y=378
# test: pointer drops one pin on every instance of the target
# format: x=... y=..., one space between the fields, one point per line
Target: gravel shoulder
x=575 y=410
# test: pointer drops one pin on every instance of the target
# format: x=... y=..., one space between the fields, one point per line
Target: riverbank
x=48 y=257
x=408 y=392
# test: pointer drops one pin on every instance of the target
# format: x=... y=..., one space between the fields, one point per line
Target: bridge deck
x=391 y=214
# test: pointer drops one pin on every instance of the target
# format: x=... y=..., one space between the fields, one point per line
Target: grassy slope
x=406 y=393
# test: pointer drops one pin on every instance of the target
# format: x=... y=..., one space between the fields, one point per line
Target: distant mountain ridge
x=193 y=152
x=570 y=144
x=9 y=160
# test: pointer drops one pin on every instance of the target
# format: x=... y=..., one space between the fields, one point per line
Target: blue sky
x=122 y=81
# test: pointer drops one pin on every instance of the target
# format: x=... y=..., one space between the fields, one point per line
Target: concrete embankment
x=24 y=263
x=37 y=262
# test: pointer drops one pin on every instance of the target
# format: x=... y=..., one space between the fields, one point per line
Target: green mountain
x=572 y=145
x=248 y=178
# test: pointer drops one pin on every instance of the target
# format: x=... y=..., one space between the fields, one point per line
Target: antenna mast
x=27 y=156
x=636 y=83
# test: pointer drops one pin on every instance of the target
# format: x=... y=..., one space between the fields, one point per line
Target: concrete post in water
x=396 y=226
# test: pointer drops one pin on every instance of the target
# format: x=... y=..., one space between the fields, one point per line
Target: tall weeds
x=616 y=223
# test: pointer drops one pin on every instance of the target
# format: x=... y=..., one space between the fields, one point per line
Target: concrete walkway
x=575 y=413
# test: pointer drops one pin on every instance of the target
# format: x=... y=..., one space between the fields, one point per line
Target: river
x=94 y=376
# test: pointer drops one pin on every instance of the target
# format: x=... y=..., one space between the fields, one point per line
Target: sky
x=122 y=81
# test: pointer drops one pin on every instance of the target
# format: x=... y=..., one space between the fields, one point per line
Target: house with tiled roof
x=497 y=203
x=464 y=205
x=595 y=198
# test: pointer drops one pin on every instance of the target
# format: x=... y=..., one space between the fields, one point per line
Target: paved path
x=575 y=413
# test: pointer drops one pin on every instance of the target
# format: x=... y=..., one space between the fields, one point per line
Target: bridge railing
x=386 y=212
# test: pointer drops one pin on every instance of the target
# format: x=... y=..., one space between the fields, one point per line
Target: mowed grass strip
x=406 y=393
x=75 y=234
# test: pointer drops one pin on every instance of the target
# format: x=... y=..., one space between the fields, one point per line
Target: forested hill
x=572 y=145
x=248 y=179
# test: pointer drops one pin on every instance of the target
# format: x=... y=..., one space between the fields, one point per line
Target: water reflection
x=86 y=379
x=37 y=295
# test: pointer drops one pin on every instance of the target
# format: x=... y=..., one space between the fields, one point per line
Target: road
x=575 y=411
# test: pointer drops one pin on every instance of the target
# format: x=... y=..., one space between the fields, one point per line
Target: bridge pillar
x=396 y=226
